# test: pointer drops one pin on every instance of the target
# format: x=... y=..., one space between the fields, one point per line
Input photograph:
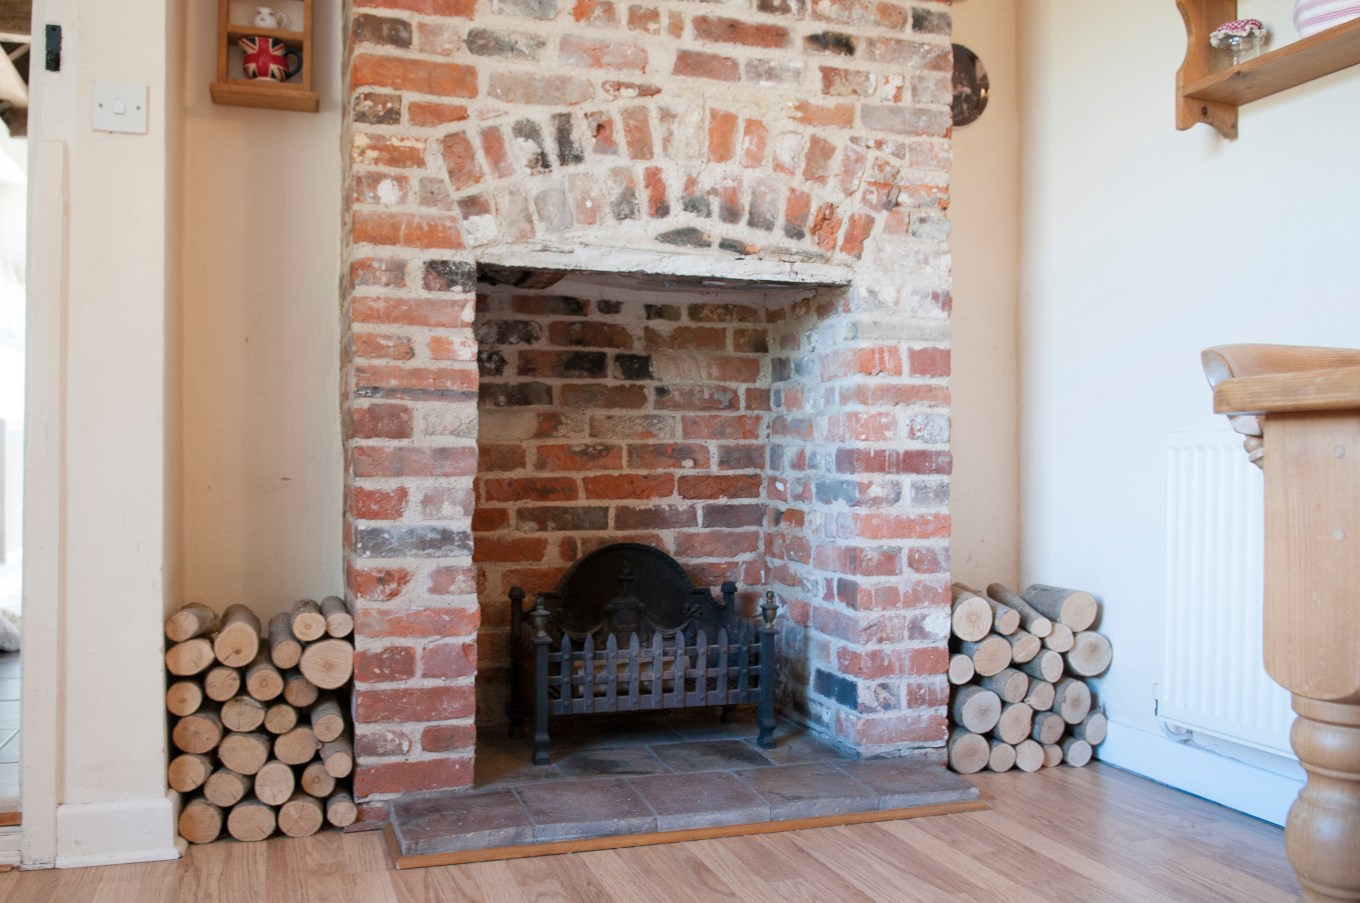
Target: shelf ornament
x=1238 y=41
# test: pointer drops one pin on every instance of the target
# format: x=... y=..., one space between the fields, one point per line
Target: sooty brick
x=633 y=366
x=833 y=686
x=830 y=42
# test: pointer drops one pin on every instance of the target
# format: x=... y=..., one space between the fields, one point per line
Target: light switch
x=119 y=107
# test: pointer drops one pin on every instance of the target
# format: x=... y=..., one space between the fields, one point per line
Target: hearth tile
x=704 y=800
x=799 y=747
x=902 y=783
x=709 y=755
x=508 y=763
x=605 y=807
x=619 y=761
x=809 y=791
x=461 y=821
x=706 y=724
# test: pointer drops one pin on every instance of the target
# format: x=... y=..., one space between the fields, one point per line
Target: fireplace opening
x=760 y=433
x=629 y=410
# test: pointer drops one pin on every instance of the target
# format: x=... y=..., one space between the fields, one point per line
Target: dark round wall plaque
x=971 y=86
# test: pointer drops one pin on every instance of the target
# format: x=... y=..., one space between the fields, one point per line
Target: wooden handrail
x=1259 y=379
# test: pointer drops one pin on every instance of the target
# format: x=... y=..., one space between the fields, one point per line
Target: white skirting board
x=114 y=833
x=1259 y=792
x=11 y=839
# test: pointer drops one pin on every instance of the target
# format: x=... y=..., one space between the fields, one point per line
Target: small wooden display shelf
x=262 y=92
x=1212 y=97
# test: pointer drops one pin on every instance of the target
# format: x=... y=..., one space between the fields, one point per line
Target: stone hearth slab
x=809 y=791
x=467 y=821
x=623 y=791
x=626 y=761
x=702 y=800
x=904 y=783
x=710 y=755
x=562 y=810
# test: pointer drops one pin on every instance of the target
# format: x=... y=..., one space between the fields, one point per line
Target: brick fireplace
x=669 y=272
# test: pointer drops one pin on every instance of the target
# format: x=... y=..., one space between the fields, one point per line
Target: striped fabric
x=1312 y=16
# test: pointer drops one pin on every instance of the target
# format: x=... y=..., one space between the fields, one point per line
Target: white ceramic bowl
x=1312 y=16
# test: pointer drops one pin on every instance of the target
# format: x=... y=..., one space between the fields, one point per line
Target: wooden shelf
x=291 y=38
x=263 y=93
x=1212 y=97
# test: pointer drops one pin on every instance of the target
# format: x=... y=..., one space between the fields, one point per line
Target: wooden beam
x=16 y=16
x=12 y=87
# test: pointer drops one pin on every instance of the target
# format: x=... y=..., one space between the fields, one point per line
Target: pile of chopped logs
x=1019 y=669
x=260 y=722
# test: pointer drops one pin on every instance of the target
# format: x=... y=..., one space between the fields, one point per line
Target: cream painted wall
x=1141 y=246
x=102 y=505
x=984 y=384
x=261 y=328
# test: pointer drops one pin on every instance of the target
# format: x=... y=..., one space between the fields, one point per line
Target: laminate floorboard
x=1061 y=835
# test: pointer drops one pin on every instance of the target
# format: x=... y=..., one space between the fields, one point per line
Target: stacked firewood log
x=1019 y=666
x=260 y=722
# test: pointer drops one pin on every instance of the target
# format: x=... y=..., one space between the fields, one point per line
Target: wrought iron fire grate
x=627 y=631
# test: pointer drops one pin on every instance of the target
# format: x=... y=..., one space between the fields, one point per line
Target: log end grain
x=200 y=821
x=301 y=816
x=238 y=641
x=184 y=697
x=226 y=788
x=1002 y=757
x=1029 y=756
x=975 y=708
x=307 y=621
x=188 y=772
x=190 y=657
x=1075 y=752
x=340 y=809
x=339 y=621
x=296 y=747
x=251 y=820
x=961 y=669
x=190 y=621
x=968 y=752
x=971 y=618
x=328 y=663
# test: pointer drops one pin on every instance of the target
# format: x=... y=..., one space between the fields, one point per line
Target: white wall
x=13 y=229
x=984 y=384
x=1141 y=246
x=101 y=514
x=261 y=368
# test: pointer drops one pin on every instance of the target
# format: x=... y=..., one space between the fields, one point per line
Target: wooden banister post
x=1305 y=402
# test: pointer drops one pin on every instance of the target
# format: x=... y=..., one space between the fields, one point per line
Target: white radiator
x=1213 y=678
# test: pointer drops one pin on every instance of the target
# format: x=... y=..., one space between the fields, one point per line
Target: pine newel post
x=1300 y=408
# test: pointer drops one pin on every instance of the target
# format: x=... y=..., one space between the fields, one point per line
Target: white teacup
x=265 y=17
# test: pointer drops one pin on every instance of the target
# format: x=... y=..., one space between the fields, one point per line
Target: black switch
x=54 y=48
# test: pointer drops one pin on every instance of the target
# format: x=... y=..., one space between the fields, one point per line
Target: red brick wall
x=723 y=133
x=605 y=420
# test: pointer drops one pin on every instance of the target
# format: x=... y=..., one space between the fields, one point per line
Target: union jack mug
x=269 y=58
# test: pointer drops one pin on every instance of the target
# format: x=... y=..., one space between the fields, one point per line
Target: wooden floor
x=1090 y=835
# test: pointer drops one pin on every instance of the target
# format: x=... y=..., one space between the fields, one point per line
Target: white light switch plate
x=119 y=108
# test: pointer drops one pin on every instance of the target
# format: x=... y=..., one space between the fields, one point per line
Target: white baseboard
x=114 y=833
x=1238 y=785
x=11 y=840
